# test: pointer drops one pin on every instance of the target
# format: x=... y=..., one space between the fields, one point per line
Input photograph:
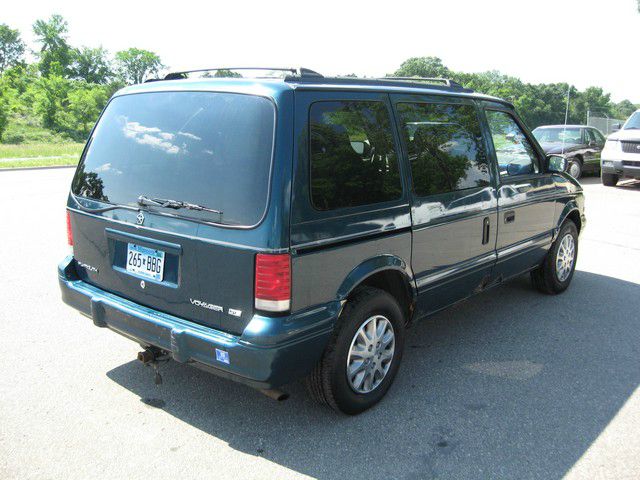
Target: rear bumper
x=272 y=351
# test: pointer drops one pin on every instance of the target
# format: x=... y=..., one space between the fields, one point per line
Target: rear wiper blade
x=99 y=210
x=175 y=204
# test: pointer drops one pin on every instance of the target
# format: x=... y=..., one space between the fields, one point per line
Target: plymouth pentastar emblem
x=140 y=218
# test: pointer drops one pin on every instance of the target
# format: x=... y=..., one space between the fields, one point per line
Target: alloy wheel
x=371 y=354
x=565 y=257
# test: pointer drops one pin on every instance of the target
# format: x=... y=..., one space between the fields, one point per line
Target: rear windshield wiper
x=175 y=204
x=100 y=210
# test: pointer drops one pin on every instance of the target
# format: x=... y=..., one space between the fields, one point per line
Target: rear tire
x=609 y=179
x=330 y=382
x=556 y=272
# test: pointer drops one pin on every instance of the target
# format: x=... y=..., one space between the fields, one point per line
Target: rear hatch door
x=169 y=183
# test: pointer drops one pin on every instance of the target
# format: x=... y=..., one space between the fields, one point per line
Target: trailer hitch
x=152 y=357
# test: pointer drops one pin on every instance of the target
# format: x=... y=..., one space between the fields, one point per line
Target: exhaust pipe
x=274 y=394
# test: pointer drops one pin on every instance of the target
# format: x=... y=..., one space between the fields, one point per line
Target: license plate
x=145 y=262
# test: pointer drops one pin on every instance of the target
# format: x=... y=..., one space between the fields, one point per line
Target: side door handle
x=509 y=217
x=486 y=225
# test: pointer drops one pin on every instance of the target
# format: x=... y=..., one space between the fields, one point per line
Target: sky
x=582 y=42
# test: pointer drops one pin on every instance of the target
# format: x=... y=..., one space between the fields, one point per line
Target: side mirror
x=361 y=148
x=514 y=169
x=593 y=143
x=358 y=147
x=556 y=163
x=615 y=127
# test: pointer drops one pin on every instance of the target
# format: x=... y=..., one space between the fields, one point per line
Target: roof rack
x=295 y=72
x=445 y=81
x=406 y=82
x=307 y=76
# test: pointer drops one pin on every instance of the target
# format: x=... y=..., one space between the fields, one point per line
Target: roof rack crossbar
x=445 y=81
x=298 y=72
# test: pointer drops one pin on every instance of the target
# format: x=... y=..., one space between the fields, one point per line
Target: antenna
x=566 y=118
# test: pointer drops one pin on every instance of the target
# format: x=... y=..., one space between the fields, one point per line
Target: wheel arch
x=386 y=272
x=570 y=211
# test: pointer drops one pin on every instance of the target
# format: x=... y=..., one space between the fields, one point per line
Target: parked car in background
x=621 y=154
x=581 y=144
x=271 y=229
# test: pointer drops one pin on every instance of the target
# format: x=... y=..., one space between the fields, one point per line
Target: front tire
x=574 y=168
x=556 y=272
x=363 y=355
x=609 y=179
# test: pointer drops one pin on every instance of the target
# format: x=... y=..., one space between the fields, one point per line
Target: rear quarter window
x=207 y=148
x=353 y=160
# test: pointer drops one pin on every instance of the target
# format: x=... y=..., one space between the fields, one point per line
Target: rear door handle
x=509 y=217
x=485 y=230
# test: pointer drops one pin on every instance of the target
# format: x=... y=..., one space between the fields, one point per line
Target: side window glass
x=514 y=153
x=589 y=136
x=599 y=138
x=352 y=156
x=445 y=147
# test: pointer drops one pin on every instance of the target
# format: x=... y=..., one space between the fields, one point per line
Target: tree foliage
x=538 y=104
x=50 y=100
x=4 y=114
x=431 y=67
x=65 y=90
x=54 y=49
x=92 y=65
x=11 y=47
x=136 y=65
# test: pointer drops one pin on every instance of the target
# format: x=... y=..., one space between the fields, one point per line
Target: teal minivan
x=292 y=226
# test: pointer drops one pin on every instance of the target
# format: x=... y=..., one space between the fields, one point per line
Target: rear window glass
x=353 y=158
x=205 y=148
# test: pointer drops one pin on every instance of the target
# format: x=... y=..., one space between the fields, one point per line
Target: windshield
x=568 y=136
x=633 y=122
x=205 y=148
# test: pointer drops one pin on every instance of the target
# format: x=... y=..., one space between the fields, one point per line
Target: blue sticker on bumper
x=222 y=356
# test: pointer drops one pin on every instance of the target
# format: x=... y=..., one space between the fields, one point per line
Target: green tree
x=594 y=100
x=135 y=65
x=11 y=47
x=623 y=109
x=50 y=100
x=4 y=112
x=92 y=65
x=224 y=73
x=85 y=105
x=52 y=35
x=423 y=67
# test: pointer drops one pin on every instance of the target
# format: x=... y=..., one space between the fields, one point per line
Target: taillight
x=273 y=282
x=69 y=231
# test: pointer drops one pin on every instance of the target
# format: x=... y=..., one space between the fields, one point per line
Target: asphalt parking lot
x=511 y=384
